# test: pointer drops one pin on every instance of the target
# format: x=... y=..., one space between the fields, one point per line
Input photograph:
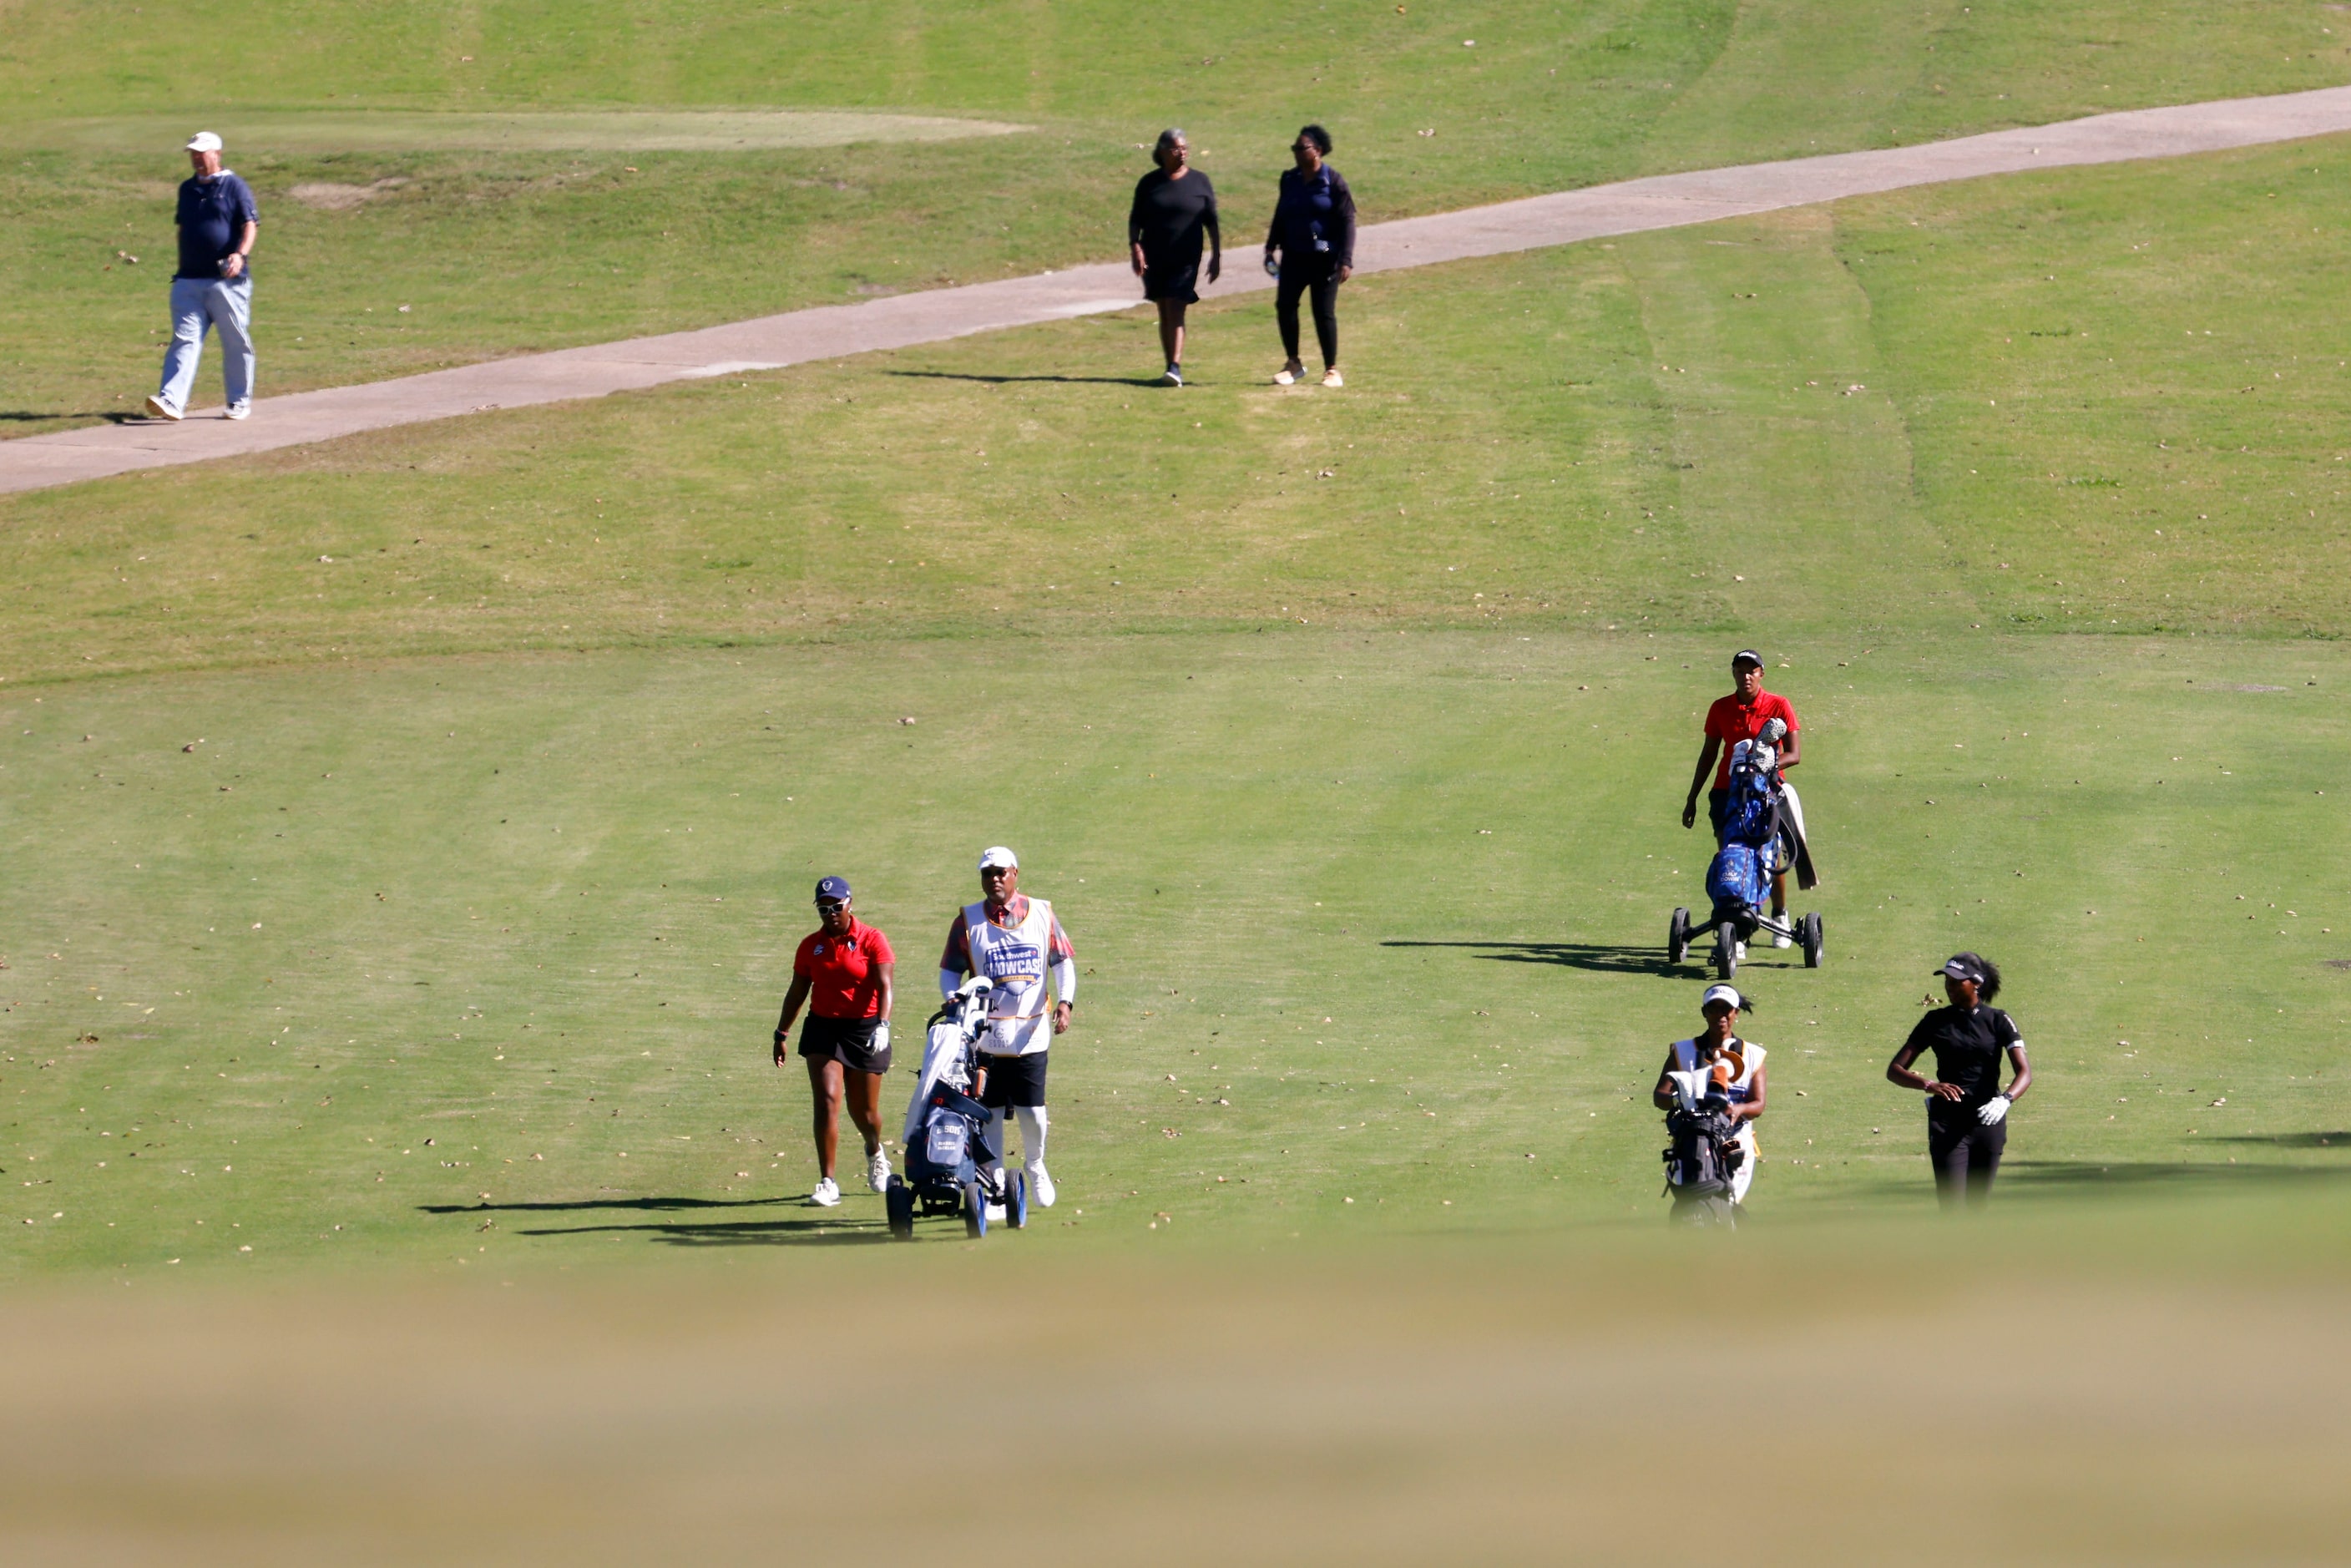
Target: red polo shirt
x=844 y=973
x=1731 y=721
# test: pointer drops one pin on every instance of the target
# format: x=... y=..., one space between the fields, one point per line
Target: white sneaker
x=1172 y=377
x=1332 y=378
x=155 y=409
x=1739 y=952
x=877 y=1170
x=1040 y=1185
x=827 y=1194
x=1285 y=377
x=1777 y=941
x=238 y=411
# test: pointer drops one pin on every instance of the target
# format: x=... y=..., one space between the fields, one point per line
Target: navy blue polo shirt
x=213 y=215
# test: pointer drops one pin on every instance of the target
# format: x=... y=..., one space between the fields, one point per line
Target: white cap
x=1722 y=994
x=204 y=141
x=999 y=855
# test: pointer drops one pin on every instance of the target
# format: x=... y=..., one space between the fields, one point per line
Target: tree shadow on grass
x=1000 y=381
x=2149 y=1176
x=828 y=1230
x=1596 y=957
x=2291 y=1140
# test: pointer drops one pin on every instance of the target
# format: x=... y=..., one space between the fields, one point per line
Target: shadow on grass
x=647 y=1204
x=2292 y=1140
x=2145 y=1176
x=1593 y=956
x=827 y=1230
x=1001 y=381
x=35 y=416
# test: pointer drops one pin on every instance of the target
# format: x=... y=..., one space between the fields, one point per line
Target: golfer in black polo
x=1174 y=210
x=1967 y=1110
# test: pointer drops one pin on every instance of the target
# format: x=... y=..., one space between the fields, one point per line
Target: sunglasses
x=830 y=906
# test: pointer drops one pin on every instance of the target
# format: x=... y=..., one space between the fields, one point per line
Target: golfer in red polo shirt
x=1730 y=720
x=843 y=972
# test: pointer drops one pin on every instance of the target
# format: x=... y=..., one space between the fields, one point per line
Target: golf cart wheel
x=1726 y=950
x=898 y=1201
x=1811 y=933
x=1016 y=1202
x=974 y=1210
x=1678 y=937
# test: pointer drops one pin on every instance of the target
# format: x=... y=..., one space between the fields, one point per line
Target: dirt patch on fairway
x=320 y=133
x=330 y=197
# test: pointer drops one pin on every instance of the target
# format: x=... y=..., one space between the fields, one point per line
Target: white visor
x=1722 y=994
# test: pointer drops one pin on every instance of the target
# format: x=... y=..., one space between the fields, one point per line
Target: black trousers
x=1966 y=1155
x=1323 y=283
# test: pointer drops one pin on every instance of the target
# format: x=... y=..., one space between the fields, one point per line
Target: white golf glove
x=881 y=1040
x=1993 y=1112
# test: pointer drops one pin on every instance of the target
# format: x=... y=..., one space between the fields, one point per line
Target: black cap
x=1964 y=967
x=1747 y=656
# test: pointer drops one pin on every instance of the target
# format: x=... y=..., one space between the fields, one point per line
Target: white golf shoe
x=1332 y=378
x=1781 y=916
x=1040 y=1185
x=1287 y=376
x=827 y=1194
x=158 y=408
x=877 y=1169
x=238 y=410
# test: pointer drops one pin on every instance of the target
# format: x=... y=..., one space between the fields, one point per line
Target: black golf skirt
x=848 y=1041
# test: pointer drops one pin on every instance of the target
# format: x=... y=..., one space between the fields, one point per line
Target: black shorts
x=848 y=1042
x=1014 y=1081
x=1718 y=806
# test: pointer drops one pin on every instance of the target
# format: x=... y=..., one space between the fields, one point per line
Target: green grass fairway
x=1371 y=921
x=2011 y=406
x=504 y=251
x=321 y=135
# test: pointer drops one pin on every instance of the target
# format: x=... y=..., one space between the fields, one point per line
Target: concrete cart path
x=770 y=342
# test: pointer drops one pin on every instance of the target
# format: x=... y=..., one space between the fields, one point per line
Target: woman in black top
x=1967 y=1110
x=1314 y=230
x=1175 y=206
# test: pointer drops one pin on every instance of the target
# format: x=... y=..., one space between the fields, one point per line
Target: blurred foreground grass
x=2132 y=1384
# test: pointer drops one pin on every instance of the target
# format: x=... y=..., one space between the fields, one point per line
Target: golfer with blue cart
x=1758 y=826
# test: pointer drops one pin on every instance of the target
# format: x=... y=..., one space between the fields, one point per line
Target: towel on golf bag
x=1800 y=846
x=946 y=1058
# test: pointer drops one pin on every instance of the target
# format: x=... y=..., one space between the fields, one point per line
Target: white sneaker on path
x=827 y=1194
x=155 y=409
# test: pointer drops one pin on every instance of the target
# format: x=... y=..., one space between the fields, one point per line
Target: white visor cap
x=1722 y=994
x=999 y=856
x=204 y=141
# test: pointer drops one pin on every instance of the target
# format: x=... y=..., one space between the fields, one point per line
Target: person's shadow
x=1003 y=381
x=810 y=1227
x=1598 y=958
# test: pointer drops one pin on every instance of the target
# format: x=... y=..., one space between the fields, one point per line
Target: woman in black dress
x=1174 y=207
x=1314 y=230
x=1967 y=1110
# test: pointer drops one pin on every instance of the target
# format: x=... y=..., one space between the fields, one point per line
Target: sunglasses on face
x=830 y=906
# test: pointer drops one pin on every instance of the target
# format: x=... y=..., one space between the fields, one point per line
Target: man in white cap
x=214 y=286
x=1015 y=941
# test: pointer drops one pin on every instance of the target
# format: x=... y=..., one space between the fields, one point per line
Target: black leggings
x=1294 y=282
x=1966 y=1155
